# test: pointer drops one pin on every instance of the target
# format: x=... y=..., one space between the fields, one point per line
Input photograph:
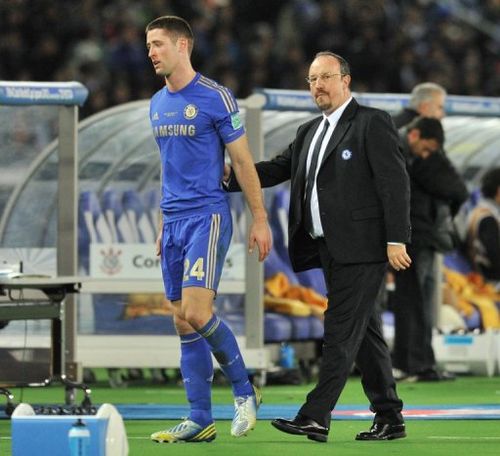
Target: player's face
x=330 y=89
x=162 y=51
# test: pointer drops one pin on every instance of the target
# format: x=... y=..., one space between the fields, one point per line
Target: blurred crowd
x=391 y=44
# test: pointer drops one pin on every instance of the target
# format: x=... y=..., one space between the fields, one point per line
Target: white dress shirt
x=333 y=119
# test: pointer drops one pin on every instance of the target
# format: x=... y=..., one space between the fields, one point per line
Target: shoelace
x=180 y=427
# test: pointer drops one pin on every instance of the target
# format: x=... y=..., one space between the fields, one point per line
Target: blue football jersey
x=191 y=127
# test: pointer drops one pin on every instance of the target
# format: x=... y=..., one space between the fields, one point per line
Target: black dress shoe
x=380 y=431
x=433 y=375
x=302 y=425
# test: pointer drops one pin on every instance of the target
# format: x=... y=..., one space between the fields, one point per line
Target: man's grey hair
x=424 y=92
x=344 y=65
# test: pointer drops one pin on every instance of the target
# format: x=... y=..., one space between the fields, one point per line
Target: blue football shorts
x=193 y=252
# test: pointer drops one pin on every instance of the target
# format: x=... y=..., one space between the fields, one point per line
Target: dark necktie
x=308 y=225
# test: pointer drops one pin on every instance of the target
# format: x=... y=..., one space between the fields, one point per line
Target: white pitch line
x=449 y=437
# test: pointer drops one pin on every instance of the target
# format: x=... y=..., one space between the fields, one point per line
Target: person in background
x=427 y=100
x=194 y=119
x=483 y=229
x=349 y=215
x=435 y=186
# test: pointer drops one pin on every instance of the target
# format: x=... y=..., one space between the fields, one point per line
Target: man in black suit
x=349 y=215
x=437 y=192
x=414 y=309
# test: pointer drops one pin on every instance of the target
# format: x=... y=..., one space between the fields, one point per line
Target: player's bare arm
x=245 y=172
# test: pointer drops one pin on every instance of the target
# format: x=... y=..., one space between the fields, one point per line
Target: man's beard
x=325 y=104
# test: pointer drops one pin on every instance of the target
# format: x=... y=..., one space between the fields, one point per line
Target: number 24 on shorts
x=196 y=271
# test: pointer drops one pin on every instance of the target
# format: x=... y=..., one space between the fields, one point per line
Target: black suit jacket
x=434 y=181
x=404 y=117
x=363 y=189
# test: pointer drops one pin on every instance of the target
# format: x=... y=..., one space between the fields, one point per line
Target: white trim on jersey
x=212 y=250
x=224 y=93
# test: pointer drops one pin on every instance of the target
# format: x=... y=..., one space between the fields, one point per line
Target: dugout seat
x=123 y=219
x=303 y=328
x=152 y=200
x=317 y=328
x=312 y=278
x=138 y=217
x=112 y=209
x=275 y=264
x=277 y=327
x=92 y=226
x=456 y=261
x=229 y=307
x=127 y=219
x=237 y=207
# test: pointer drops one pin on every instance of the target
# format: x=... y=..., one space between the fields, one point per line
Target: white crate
x=48 y=434
x=467 y=353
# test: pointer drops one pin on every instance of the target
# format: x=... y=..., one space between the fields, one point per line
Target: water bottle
x=287 y=356
x=79 y=439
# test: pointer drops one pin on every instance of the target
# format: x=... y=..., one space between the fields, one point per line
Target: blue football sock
x=223 y=344
x=197 y=373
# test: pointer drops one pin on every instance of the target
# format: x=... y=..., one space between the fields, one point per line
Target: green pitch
x=425 y=437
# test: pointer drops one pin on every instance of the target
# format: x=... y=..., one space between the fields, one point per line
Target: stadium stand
x=392 y=44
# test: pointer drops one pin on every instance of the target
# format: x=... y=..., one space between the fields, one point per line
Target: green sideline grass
x=425 y=437
x=434 y=438
x=465 y=390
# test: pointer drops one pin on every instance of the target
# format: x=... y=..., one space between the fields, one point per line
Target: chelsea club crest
x=190 y=111
x=346 y=154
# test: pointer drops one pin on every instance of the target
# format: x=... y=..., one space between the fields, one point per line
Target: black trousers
x=353 y=333
x=413 y=313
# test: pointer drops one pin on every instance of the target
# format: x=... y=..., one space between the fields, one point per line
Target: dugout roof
x=116 y=149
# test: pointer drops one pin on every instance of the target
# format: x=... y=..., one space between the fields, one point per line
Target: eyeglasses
x=325 y=77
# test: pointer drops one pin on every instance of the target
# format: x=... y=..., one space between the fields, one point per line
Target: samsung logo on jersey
x=174 y=130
